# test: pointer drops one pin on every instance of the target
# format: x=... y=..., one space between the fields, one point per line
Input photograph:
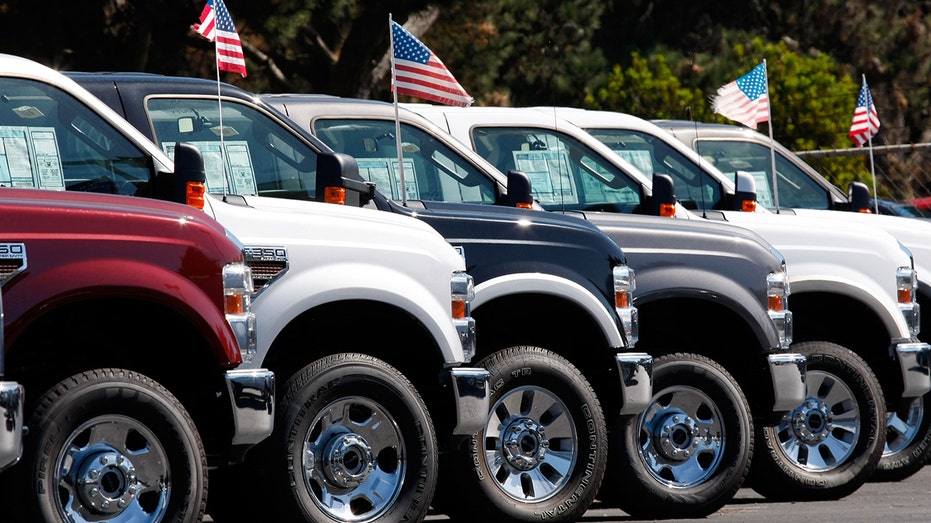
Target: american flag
x=865 y=123
x=216 y=25
x=744 y=100
x=420 y=73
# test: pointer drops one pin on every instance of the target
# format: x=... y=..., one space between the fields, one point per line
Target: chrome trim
x=470 y=388
x=635 y=370
x=13 y=260
x=788 y=374
x=915 y=363
x=782 y=321
x=11 y=422
x=252 y=399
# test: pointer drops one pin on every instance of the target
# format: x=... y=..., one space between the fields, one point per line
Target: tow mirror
x=858 y=196
x=188 y=183
x=664 y=196
x=745 y=193
x=520 y=193
x=339 y=182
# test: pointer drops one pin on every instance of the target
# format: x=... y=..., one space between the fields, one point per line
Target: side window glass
x=431 y=169
x=49 y=140
x=564 y=173
x=248 y=154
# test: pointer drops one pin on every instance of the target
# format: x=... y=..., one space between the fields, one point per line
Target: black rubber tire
x=524 y=378
x=908 y=441
x=380 y=405
x=690 y=392
x=835 y=374
x=133 y=412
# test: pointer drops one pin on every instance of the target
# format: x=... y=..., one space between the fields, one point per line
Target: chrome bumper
x=252 y=398
x=915 y=363
x=636 y=372
x=788 y=374
x=470 y=388
x=11 y=422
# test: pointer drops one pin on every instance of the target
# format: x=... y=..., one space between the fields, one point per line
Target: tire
x=908 y=441
x=542 y=453
x=114 y=445
x=689 y=452
x=829 y=446
x=353 y=442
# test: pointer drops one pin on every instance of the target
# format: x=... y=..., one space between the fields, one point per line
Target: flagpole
x=397 y=117
x=216 y=52
x=872 y=166
x=772 y=141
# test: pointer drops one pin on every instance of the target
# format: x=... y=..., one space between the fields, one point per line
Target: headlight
x=462 y=292
x=906 y=291
x=237 y=302
x=625 y=283
x=777 y=305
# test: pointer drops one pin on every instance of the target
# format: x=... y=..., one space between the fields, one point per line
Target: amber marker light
x=667 y=210
x=335 y=195
x=194 y=194
x=748 y=206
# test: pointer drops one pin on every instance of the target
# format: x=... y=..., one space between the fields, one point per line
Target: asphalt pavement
x=903 y=501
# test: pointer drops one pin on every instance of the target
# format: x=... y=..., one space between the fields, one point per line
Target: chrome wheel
x=822 y=433
x=682 y=437
x=353 y=460
x=531 y=445
x=112 y=468
x=903 y=427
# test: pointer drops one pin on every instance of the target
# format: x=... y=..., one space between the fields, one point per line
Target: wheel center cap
x=106 y=482
x=678 y=437
x=524 y=444
x=348 y=460
x=812 y=422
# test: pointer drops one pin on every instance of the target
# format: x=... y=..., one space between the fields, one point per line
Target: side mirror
x=745 y=193
x=664 y=196
x=339 y=182
x=188 y=183
x=520 y=193
x=858 y=197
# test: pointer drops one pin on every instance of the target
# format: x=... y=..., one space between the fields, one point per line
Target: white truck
x=852 y=298
x=363 y=316
x=726 y=149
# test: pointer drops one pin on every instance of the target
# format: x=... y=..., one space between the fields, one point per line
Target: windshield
x=564 y=173
x=432 y=170
x=258 y=155
x=695 y=189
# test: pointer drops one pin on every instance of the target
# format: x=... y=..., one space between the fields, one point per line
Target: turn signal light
x=335 y=195
x=524 y=206
x=748 y=206
x=194 y=194
x=667 y=210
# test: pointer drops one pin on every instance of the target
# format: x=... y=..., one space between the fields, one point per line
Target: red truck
x=125 y=321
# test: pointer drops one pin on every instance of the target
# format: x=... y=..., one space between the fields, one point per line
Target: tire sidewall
x=912 y=457
x=135 y=399
x=539 y=369
x=642 y=494
x=333 y=382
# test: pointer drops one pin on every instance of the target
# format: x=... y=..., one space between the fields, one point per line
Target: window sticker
x=549 y=175
x=241 y=174
x=642 y=160
x=29 y=157
x=384 y=173
x=764 y=192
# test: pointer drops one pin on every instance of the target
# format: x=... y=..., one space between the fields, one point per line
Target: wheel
x=353 y=442
x=689 y=452
x=111 y=445
x=908 y=442
x=829 y=446
x=542 y=453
